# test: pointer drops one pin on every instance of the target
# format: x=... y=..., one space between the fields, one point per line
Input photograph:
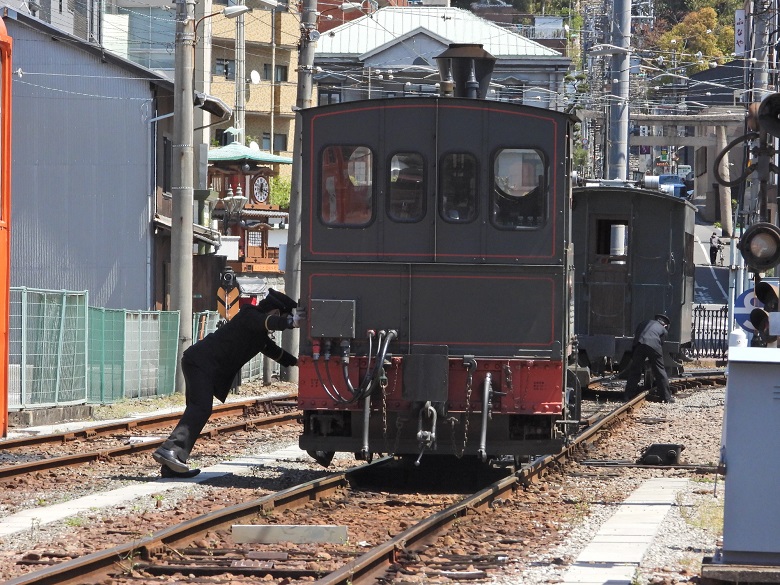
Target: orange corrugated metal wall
x=5 y=217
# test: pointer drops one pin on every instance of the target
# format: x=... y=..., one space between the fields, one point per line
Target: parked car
x=672 y=184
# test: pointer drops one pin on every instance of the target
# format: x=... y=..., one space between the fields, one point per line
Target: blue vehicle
x=673 y=185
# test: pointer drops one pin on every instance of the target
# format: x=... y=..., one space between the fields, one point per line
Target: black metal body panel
x=426 y=377
x=502 y=311
x=434 y=127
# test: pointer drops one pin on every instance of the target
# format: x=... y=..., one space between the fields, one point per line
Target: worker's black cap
x=277 y=300
x=663 y=319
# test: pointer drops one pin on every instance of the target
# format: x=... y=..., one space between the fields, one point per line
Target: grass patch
x=706 y=515
x=132 y=406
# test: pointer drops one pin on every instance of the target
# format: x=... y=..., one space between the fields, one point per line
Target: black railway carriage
x=633 y=258
x=437 y=270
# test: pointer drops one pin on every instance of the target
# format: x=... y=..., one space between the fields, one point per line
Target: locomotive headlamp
x=760 y=246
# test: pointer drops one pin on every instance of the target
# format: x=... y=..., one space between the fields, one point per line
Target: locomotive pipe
x=366 y=417
x=380 y=361
x=487 y=390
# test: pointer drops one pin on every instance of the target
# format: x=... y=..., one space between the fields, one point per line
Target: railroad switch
x=661 y=454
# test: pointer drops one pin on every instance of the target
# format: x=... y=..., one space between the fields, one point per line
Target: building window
x=281 y=72
x=167 y=165
x=254 y=239
x=280 y=142
x=224 y=138
x=328 y=94
x=511 y=93
x=226 y=68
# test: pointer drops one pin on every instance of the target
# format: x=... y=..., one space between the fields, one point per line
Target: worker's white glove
x=294 y=320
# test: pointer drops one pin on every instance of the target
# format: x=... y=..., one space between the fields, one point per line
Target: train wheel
x=368 y=458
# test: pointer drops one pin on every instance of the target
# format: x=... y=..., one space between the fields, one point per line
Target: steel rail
x=102 y=562
x=141 y=447
x=154 y=421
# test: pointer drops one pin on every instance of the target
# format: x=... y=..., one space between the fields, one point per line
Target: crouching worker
x=210 y=366
x=649 y=346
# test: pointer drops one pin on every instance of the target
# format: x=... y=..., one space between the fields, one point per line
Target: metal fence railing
x=710 y=332
x=47 y=348
x=61 y=351
x=132 y=354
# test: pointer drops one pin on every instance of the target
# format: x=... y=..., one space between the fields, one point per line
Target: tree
x=692 y=44
x=675 y=11
x=280 y=192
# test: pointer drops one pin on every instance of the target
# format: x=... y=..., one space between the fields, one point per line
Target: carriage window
x=458 y=180
x=347 y=188
x=519 y=188
x=406 y=188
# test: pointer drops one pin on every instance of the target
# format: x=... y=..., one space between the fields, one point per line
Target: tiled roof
x=454 y=25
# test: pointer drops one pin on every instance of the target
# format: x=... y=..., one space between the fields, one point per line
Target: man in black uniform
x=648 y=345
x=210 y=366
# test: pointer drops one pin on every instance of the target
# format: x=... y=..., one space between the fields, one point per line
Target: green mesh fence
x=47 y=348
x=61 y=351
x=132 y=353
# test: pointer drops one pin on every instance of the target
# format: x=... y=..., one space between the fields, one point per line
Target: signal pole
x=292 y=274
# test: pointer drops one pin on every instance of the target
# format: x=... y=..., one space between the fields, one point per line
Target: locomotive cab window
x=458 y=180
x=346 y=187
x=519 y=188
x=612 y=241
x=406 y=187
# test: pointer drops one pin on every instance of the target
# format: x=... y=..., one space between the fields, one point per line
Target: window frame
x=501 y=201
x=321 y=185
x=474 y=196
x=423 y=189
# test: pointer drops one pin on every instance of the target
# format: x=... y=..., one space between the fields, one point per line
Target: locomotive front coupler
x=426 y=439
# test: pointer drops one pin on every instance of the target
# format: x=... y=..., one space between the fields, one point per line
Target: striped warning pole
x=227 y=302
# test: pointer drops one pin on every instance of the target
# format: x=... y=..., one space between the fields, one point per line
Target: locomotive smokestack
x=465 y=70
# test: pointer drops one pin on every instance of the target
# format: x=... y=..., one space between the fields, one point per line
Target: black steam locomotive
x=437 y=266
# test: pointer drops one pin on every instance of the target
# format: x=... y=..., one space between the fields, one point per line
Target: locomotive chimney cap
x=465 y=70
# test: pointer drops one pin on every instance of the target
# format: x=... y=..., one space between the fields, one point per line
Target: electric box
x=752 y=457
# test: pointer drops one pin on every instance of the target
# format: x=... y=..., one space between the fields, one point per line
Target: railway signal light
x=760 y=246
x=766 y=320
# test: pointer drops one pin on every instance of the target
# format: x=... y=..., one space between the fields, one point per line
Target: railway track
x=183 y=548
x=251 y=414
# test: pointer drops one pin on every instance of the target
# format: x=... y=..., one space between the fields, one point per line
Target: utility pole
x=182 y=188
x=292 y=274
x=240 y=111
x=618 y=109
